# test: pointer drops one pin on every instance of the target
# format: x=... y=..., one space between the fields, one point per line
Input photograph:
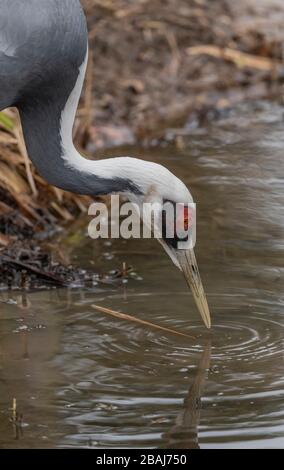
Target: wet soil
x=156 y=65
x=30 y=266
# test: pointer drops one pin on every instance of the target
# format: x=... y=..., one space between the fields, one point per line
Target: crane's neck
x=47 y=120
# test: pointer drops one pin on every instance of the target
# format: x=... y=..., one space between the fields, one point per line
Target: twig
x=64 y=213
x=239 y=58
x=23 y=151
x=124 y=316
x=14 y=409
x=4 y=240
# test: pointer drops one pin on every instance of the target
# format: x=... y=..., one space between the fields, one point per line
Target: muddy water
x=83 y=379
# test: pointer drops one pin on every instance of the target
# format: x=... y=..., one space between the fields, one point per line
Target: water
x=84 y=379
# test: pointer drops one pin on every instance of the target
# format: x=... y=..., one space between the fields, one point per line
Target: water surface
x=84 y=379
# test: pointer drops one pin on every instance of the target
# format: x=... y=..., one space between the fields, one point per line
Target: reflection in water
x=17 y=421
x=83 y=379
x=184 y=434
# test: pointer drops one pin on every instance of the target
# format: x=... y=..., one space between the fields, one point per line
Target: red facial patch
x=184 y=217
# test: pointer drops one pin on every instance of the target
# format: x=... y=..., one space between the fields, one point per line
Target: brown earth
x=158 y=63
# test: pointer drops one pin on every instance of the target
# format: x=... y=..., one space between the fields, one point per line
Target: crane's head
x=162 y=193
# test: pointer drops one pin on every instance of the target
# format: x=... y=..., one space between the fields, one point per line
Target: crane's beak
x=185 y=260
x=188 y=264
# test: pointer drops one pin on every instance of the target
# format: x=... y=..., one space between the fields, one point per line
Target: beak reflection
x=184 y=433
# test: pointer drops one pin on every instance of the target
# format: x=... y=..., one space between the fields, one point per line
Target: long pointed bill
x=188 y=264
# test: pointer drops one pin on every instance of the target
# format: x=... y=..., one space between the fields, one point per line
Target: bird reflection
x=184 y=433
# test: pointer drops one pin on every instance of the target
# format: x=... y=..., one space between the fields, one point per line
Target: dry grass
x=26 y=199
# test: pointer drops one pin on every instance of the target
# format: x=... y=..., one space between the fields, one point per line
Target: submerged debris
x=28 y=266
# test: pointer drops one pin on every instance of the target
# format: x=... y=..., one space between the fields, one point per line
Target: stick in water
x=124 y=316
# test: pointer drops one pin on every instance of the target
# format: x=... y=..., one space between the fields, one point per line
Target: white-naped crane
x=43 y=59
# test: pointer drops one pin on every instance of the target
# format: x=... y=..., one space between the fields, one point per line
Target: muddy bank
x=30 y=266
x=179 y=63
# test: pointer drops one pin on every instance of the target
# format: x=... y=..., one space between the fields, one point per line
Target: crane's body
x=43 y=60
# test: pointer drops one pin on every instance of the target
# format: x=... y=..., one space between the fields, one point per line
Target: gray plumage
x=43 y=50
x=43 y=43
